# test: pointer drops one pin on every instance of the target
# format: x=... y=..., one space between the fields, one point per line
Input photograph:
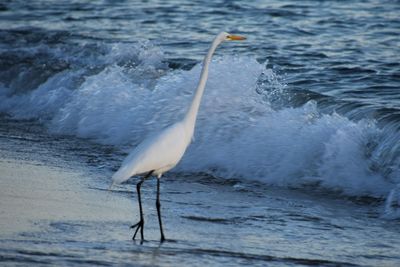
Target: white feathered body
x=158 y=153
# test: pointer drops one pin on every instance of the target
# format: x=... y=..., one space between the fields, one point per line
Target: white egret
x=160 y=152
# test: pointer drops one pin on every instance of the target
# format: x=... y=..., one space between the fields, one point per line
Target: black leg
x=158 y=204
x=140 y=224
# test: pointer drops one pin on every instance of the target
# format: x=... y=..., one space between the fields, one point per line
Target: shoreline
x=56 y=210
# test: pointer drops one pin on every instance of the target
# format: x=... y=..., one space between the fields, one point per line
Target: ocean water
x=296 y=155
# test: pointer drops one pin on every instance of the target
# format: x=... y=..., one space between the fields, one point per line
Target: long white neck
x=191 y=115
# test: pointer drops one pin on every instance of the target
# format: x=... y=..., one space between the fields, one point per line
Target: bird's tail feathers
x=121 y=176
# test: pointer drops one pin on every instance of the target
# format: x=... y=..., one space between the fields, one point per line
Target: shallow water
x=296 y=153
x=56 y=210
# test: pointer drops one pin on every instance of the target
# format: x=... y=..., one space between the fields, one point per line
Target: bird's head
x=224 y=36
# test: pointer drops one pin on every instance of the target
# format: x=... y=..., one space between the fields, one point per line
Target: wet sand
x=31 y=192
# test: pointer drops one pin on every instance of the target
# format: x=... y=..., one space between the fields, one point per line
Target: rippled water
x=296 y=154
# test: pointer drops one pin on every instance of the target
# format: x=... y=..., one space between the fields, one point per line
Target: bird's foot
x=138 y=226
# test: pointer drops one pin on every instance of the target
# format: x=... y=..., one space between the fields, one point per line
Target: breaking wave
x=118 y=93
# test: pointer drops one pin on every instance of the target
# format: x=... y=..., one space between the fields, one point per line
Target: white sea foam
x=42 y=103
x=238 y=133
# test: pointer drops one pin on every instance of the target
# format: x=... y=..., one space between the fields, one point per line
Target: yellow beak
x=235 y=38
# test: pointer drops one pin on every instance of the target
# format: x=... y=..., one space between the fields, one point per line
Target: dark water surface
x=296 y=158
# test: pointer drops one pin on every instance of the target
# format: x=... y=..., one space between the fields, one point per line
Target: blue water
x=310 y=102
